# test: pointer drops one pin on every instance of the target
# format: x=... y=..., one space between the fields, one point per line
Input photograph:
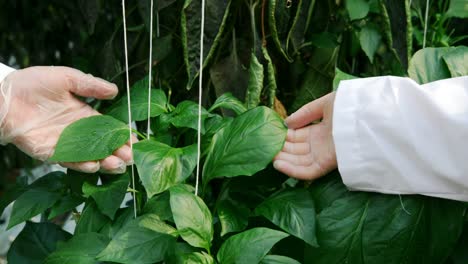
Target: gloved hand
x=37 y=103
x=309 y=151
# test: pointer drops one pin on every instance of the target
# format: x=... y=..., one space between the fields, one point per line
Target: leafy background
x=263 y=53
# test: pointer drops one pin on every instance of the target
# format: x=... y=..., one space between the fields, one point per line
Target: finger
x=134 y=140
x=300 y=160
x=307 y=114
x=296 y=148
x=297 y=135
x=87 y=85
x=86 y=167
x=125 y=154
x=113 y=165
x=310 y=172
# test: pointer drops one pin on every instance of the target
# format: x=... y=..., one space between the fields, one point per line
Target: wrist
x=5 y=100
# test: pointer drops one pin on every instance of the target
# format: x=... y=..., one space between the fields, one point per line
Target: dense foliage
x=258 y=53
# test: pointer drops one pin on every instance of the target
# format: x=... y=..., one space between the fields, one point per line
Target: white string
x=425 y=23
x=200 y=91
x=129 y=106
x=150 y=66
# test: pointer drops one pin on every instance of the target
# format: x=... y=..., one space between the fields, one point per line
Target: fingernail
x=275 y=164
x=129 y=163
x=285 y=123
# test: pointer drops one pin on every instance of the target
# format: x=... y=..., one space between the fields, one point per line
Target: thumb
x=87 y=85
x=307 y=114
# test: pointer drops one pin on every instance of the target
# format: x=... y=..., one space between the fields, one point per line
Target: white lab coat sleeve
x=4 y=71
x=395 y=136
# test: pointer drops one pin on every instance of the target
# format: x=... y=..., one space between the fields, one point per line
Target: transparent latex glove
x=37 y=103
x=309 y=151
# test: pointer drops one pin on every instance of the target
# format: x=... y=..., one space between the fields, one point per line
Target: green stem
x=139 y=134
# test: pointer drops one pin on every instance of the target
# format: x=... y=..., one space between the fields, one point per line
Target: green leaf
x=250 y=246
x=153 y=222
x=427 y=65
x=341 y=76
x=92 y=138
x=278 y=21
x=255 y=85
x=196 y=258
x=350 y=227
x=135 y=243
x=35 y=243
x=217 y=12
x=246 y=145
x=293 y=211
x=229 y=75
x=139 y=103
x=91 y=219
x=192 y=218
x=318 y=79
x=233 y=216
x=357 y=9
x=161 y=166
x=121 y=219
x=109 y=196
x=65 y=204
x=186 y=115
x=275 y=259
x=458 y=8
x=457 y=61
x=370 y=40
x=32 y=203
x=159 y=205
x=81 y=249
x=228 y=101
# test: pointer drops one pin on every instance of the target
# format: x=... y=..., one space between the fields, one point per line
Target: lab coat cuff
x=345 y=133
x=4 y=71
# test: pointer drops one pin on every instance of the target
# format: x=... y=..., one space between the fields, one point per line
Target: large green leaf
x=139 y=102
x=341 y=76
x=458 y=8
x=216 y=14
x=35 y=243
x=427 y=65
x=255 y=85
x=81 y=249
x=249 y=246
x=91 y=219
x=109 y=196
x=195 y=258
x=32 y=203
x=233 y=216
x=317 y=81
x=457 y=61
x=161 y=166
x=246 y=145
x=121 y=219
x=92 y=138
x=357 y=9
x=370 y=39
x=65 y=204
x=293 y=211
x=159 y=205
x=144 y=240
x=192 y=217
x=186 y=115
x=228 y=101
x=275 y=259
x=415 y=229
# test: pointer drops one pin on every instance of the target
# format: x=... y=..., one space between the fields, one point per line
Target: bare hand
x=309 y=151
